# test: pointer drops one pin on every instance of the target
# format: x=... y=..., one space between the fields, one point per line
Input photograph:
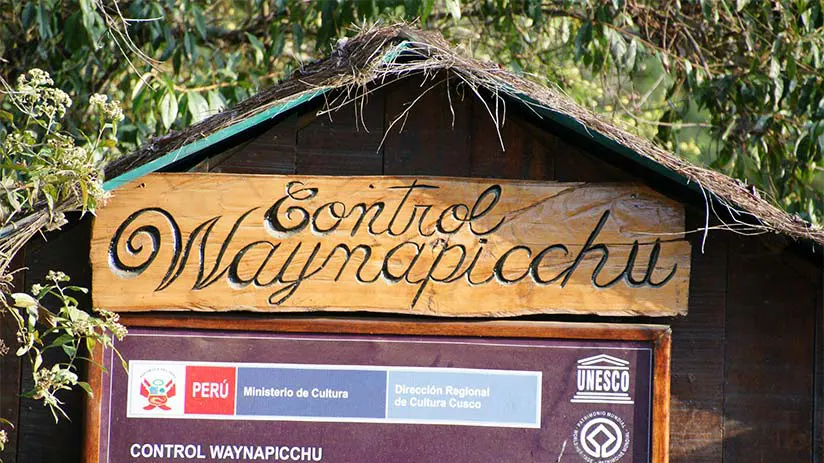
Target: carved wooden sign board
x=415 y=245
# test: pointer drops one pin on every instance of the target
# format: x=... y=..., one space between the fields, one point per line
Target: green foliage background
x=45 y=172
x=737 y=85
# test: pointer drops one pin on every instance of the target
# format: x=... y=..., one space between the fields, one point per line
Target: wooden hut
x=714 y=295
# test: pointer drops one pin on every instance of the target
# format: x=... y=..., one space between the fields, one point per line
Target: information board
x=262 y=395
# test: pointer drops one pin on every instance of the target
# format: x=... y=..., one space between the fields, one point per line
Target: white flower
x=108 y=109
x=35 y=78
x=98 y=100
x=56 y=276
x=114 y=112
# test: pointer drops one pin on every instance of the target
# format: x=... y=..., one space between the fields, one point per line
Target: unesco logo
x=603 y=379
x=601 y=437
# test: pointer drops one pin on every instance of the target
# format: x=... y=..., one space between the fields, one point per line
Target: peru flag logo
x=158 y=390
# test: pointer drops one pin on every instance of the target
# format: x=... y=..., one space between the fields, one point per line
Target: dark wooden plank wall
x=697 y=401
x=818 y=417
x=40 y=439
x=742 y=360
x=769 y=355
x=10 y=366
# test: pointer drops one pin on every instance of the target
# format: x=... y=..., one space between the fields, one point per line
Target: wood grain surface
x=418 y=245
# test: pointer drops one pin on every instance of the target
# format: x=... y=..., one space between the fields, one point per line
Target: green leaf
x=582 y=39
x=86 y=387
x=216 y=102
x=426 y=10
x=84 y=194
x=454 y=8
x=819 y=130
x=632 y=52
x=28 y=15
x=200 y=22
x=791 y=67
x=297 y=37
x=69 y=349
x=168 y=109
x=617 y=45
x=61 y=340
x=177 y=59
x=189 y=46
x=38 y=361
x=43 y=21
x=327 y=23
x=690 y=75
x=710 y=10
x=73 y=36
x=762 y=123
x=43 y=292
x=741 y=4
x=534 y=10
x=198 y=106
x=24 y=301
x=278 y=40
x=257 y=45
x=87 y=10
x=140 y=85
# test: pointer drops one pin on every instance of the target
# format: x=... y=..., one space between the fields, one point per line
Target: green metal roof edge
x=623 y=150
x=198 y=145
x=561 y=118
x=203 y=143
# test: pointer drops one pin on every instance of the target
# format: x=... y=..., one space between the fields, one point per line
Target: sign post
x=240 y=389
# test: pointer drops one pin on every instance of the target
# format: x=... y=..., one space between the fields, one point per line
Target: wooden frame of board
x=658 y=335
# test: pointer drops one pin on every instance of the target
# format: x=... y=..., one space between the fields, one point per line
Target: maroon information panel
x=399 y=396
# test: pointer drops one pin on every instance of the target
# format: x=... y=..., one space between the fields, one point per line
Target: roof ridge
x=373 y=55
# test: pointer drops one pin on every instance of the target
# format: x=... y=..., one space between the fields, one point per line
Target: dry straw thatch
x=373 y=57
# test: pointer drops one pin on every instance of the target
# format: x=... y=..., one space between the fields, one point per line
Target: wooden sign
x=223 y=389
x=429 y=246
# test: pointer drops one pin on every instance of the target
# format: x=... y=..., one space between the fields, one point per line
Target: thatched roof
x=373 y=55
